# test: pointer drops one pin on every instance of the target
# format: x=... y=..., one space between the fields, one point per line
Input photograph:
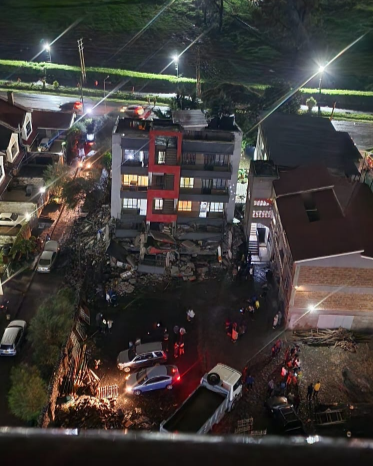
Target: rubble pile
x=87 y=412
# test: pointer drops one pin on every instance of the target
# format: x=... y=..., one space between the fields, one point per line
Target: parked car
x=45 y=145
x=76 y=106
x=153 y=378
x=285 y=415
x=12 y=219
x=90 y=136
x=12 y=338
x=133 y=110
x=141 y=356
x=48 y=257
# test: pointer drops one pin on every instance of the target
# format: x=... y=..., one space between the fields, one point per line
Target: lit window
x=158 y=204
x=135 y=180
x=185 y=206
x=216 y=206
x=186 y=182
x=130 y=203
x=161 y=156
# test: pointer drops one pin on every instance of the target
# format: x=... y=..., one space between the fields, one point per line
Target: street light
x=42 y=190
x=107 y=77
x=175 y=58
x=47 y=48
x=321 y=71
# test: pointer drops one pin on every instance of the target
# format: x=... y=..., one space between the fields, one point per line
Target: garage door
x=335 y=322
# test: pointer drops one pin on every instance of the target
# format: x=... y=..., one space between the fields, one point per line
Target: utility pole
x=83 y=78
x=198 y=74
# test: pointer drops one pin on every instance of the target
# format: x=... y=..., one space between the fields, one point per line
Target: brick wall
x=335 y=276
x=338 y=301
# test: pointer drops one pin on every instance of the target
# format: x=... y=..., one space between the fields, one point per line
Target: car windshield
x=44 y=262
x=141 y=376
x=6 y=347
x=14 y=216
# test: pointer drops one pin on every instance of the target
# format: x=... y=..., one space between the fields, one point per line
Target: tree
x=55 y=176
x=23 y=247
x=277 y=93
x=28 y=393
x=311 y=103
x=50 y=328
x=75 y=190
x=106 y=161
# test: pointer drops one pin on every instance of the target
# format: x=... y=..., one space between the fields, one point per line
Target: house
x=18 y=119
x=166 y=176
x=322 y=249
x=284 y=143
x=52 y=124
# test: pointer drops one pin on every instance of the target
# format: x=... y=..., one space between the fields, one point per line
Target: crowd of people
x=237 y=328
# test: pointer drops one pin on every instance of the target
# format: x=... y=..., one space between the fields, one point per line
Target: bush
x=56 y=84
x=28 y=393
x=311 y=103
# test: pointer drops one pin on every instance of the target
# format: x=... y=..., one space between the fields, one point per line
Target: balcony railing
x=164 y=211
x=207 y=166
x=216 y=191
x=135 y=163
x=135 y=188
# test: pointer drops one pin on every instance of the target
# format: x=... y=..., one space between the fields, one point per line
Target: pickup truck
x=217 y=393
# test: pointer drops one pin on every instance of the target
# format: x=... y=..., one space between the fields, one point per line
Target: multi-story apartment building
x=165 y=175
x=284 y=143
x=322 y=249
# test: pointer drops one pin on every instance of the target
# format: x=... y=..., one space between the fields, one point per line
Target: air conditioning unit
x=29 y=189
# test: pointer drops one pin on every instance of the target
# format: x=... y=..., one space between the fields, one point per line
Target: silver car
x=12 y=338
x=153 y=378
x=141 y=356
x=48 y=257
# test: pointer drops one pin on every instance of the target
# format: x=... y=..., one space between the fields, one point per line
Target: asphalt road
x=53 y=102
x=43 y=285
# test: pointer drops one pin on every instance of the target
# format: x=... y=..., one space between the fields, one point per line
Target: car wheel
x=127 y=369
x=170 y=387
x=137 y=392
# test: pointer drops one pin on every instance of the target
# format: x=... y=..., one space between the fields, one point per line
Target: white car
x=12 y=338
x=133 y=110
x=45 y=145
x=11 y=220
x=48 y=257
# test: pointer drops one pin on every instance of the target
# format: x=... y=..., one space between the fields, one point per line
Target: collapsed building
x=174 y=185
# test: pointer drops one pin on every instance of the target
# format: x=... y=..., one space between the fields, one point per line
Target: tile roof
x=12 y=114
x=341 y=228
x=299 y=140
x=303 y=179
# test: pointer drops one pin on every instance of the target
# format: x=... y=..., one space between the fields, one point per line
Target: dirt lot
x=346 y=378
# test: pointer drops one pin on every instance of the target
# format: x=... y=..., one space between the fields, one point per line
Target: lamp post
x=176 y=61
x=321 y=71
x=107 y=77
x=47 y=48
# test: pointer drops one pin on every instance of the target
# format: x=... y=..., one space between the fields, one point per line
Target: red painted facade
x=153 y=167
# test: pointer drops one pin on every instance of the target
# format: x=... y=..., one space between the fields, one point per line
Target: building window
x=221 y=159
x=262 y=202
x=185 y=206
x=262 y=214
x=189 y=159
x=135 y=180
x=186 y=182
x=161 y=157
x=219 y=183
x=14 y=150
x=216 y=206
x=28 y=129
x=158 y=204
x=130 y=203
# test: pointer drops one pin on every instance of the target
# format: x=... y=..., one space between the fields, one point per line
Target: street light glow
x=27 y=216
x=47 y=47
x=321 y=69
x=311 y=308
x=175 y=58
x=42 y=190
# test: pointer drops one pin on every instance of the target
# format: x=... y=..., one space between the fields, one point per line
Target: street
x=42 y=285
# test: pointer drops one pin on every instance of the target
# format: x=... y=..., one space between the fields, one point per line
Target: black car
x=285 y=415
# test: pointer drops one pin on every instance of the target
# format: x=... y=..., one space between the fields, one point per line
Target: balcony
x=133 y=192
x=134 y=167
x=212 y=218
x=210 y=171
x=164 y=211
x=204 y=194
